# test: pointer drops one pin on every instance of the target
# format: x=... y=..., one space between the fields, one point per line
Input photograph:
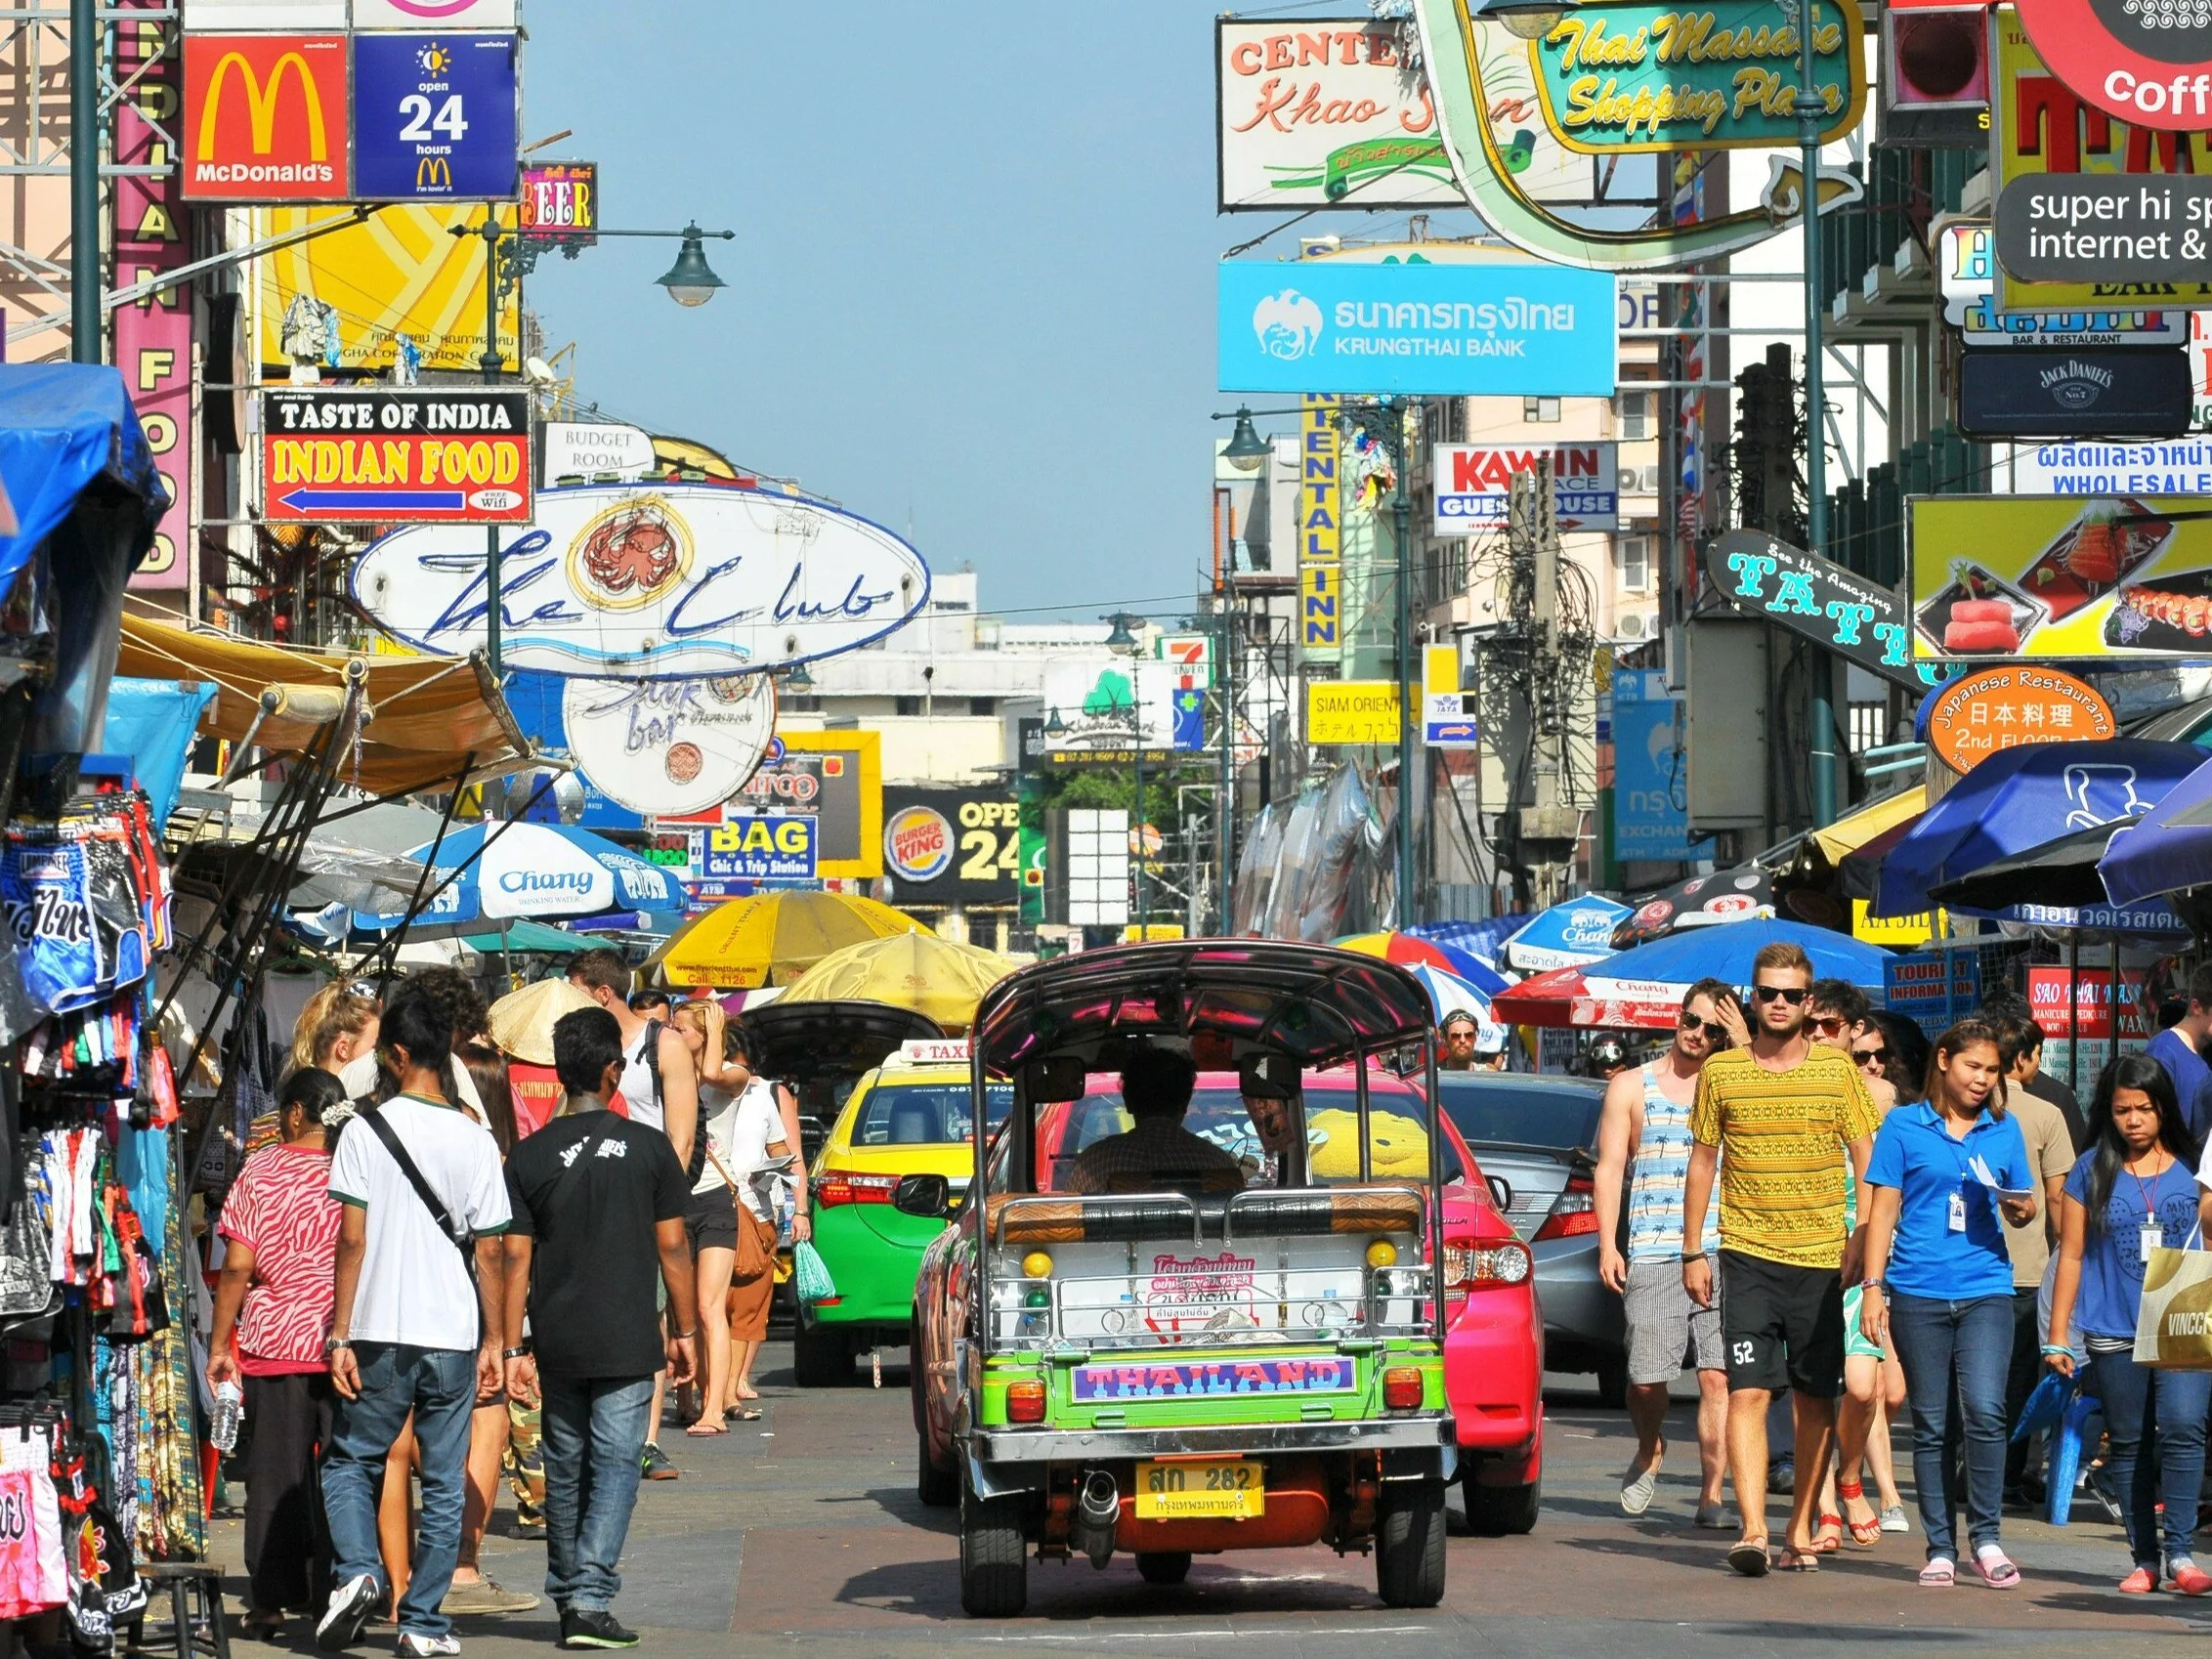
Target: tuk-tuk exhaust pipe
x=1097 y=1517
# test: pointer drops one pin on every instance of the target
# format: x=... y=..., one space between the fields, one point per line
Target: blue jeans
x=2155 y=1422
x=1970 y=1343
x=438 y=1386
x=594 y=1445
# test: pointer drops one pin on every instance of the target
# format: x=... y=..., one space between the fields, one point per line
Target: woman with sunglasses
x=1948 y=1177
x=2134 y=1188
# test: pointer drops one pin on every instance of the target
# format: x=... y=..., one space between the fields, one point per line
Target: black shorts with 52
x=1782 y=1327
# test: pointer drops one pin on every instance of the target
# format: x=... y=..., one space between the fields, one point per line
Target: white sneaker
x=414 y=1644
x=351 y=1603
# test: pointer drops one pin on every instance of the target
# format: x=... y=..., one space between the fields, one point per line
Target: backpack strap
x=462 y=1239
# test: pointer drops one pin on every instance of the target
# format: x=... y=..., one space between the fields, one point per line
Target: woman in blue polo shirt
x=1947 y=1175
x=2137 y=1179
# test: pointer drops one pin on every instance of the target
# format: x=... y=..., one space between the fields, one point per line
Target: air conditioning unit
x=1935 y=86
x=1638 y=626
x=1640 y=480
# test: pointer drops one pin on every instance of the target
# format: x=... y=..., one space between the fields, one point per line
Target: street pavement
x=800 y=1534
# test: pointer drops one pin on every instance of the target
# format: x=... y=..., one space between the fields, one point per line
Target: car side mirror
x=1501 y=1191
x=1048 y=1081
x=926 y=1195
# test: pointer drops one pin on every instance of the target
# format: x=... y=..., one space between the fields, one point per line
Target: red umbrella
x=1564 y=997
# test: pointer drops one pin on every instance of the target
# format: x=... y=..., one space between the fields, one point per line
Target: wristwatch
x=331 y=1344
x=521 y=1353
x=1882 y=1285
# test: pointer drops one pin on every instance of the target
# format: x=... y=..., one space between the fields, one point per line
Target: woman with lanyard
x=1947 y=1177
x=2133 y=1190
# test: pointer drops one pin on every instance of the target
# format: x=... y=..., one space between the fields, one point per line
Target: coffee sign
x=1835 y=607
x=1998 y=708
x=672 y=583
x=2148 y=63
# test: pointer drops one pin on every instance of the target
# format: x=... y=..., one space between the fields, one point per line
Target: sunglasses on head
x=1712 y=1028
x=1793 y=995
x=1871 y=1056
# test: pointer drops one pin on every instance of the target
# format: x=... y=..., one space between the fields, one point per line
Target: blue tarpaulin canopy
x=2020 y=799
x=64 y=428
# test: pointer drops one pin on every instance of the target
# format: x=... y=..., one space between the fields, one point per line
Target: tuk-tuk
x=1180 y=1366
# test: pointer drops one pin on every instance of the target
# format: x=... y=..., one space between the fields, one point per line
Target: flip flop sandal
x=1749 y=1557
x=1997 y=1571
x=700 y=1430
x=747 y=1413
x=1795 y=1560
x=1864 y=1534
x=1938 y=1574
x=1826 y=1545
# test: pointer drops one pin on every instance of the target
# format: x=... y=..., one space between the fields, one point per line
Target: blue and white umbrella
x=1567 y=935
x=1448 y=994
x=544 y=871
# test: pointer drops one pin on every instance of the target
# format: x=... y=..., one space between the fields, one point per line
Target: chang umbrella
x=1567 y=935
x=1645 y=987
x=918 y=970
x=1449 y=995
x=771 y=938
x=2020 y=799
x=1409 y=950
x=1741 y=894
x=2169 y=849
x=548 y=872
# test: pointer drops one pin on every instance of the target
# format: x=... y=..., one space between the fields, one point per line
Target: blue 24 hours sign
x=435 y=117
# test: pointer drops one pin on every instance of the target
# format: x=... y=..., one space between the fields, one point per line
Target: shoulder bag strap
x=374 y=1119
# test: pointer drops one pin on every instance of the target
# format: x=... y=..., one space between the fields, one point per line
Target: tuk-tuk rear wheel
x=1408 y=1544
x=1163 y=1566
x=993 y=1555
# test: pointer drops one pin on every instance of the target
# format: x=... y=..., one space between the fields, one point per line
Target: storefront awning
x=1854 y=829
x=427 y=716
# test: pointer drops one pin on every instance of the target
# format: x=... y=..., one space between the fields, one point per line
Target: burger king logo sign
x=918 y=843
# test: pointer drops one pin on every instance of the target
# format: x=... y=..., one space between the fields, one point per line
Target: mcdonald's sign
x=267 y=119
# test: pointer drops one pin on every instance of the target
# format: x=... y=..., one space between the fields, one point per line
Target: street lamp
x=1123 y=640
x=690 y=282
x=797 y=681
x=1529 y=20
x=1245 y=450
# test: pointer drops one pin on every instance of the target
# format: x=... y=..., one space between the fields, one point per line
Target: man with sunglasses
x=1647 y=1110
x=1772 y=1121
x=1461 y=1030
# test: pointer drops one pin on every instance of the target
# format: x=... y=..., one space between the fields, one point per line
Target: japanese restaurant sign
x=2000 y=709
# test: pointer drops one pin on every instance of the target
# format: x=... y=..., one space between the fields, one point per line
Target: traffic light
x=1768 y=447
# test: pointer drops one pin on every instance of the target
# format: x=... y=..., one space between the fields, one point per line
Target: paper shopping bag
x=2172 y=1326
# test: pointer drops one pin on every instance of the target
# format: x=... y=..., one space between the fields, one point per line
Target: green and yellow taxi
x=909 y=1116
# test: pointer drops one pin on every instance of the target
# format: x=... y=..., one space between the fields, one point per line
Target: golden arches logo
x=261 y=103
x=432 y=173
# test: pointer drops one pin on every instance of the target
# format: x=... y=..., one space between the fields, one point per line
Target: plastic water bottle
x=230 y=1412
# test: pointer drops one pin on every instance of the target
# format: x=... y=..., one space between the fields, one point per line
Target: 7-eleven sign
x=1192 y=656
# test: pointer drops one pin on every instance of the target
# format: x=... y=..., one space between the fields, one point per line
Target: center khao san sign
x=341 y=455
x=651 y=584
x=1621 y=76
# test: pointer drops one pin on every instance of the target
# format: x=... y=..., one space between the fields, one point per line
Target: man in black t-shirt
x=598 y=1213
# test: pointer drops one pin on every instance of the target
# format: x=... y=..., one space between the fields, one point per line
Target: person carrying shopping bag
x=2134 y=1191
x=1947 y=1177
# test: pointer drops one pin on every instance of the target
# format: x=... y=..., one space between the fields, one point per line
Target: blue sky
x=974 y=276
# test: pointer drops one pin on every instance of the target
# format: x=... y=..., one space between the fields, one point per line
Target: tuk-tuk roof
x=1312 y=1003
x=797 y=1041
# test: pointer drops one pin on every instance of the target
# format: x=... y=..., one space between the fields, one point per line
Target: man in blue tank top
x=1643 y=1146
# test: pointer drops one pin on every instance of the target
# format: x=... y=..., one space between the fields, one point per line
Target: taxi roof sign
x=932 y=1051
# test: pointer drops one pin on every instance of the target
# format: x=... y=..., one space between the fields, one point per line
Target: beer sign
x=560 y=201
x=375 y=457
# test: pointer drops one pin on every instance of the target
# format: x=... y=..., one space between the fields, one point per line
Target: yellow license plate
x=1200 y=1491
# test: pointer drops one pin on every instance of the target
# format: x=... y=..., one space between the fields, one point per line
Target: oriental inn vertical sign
x=1320 y=545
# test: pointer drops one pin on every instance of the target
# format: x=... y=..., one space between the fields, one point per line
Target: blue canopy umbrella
x=1569 y=934
x=1725 y=953
x=2020 y=799
x=2170 y=849
x=1481 y=941
x=543 y=871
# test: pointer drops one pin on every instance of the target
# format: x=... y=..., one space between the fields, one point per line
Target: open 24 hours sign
x=375 y=456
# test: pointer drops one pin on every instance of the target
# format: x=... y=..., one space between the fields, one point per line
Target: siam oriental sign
x=339 y=456
x=671 y=582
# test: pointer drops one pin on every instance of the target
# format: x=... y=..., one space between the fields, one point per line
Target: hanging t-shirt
x=281 y=1210
x=2111 y=1253
x=414 y=1287
x=591 y=1188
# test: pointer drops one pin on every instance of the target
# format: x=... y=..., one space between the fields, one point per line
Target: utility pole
x=1226 y=798
x=1399 y=416
x=86 y=49
x=492 y=362
x=1810 y=108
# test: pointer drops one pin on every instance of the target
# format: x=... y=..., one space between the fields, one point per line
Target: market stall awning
x=1854 y=829
x=518 y=938
x=426 y=715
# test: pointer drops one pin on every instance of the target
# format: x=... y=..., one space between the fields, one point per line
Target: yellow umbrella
x=521 y=1021
x=771 y=938
x=933 y=976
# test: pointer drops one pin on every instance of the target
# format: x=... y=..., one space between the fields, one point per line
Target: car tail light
x=1472 y=1266
x=839 y=1186
x=1401 y=1387
x=1025 y=1402
x=1573 y=1212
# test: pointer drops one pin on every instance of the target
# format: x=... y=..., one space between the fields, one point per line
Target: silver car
x=1539 y=1135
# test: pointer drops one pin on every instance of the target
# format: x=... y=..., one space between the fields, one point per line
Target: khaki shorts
x=1666 y=1329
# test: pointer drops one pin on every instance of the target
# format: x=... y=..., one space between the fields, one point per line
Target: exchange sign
x=2062 y=578
x=266 y=118
x=395 y=456
x=1474 y=482
x=671 y=582
x=436 y=117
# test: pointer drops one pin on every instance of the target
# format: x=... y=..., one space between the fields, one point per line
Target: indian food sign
x=1625 y=76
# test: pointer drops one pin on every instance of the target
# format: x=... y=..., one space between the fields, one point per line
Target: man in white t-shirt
x=661 y=1085
x=410 y=1331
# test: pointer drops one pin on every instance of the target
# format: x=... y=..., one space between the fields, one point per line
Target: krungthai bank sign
x=267 y=119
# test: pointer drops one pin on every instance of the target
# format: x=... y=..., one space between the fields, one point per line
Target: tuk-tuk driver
x=1156 y=1090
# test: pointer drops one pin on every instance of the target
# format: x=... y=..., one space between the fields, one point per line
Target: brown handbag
x=754 y=1257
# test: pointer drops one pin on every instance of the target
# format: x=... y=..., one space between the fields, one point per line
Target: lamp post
x=1809 y=109
x=1123 y=639
x=691 y=281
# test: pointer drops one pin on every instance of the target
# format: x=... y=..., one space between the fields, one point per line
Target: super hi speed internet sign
x=1447 y=330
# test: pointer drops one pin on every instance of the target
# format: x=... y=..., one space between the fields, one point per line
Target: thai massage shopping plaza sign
x=1631 y=76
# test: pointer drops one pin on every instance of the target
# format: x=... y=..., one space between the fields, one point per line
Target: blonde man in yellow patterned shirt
x=1770 y=1118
